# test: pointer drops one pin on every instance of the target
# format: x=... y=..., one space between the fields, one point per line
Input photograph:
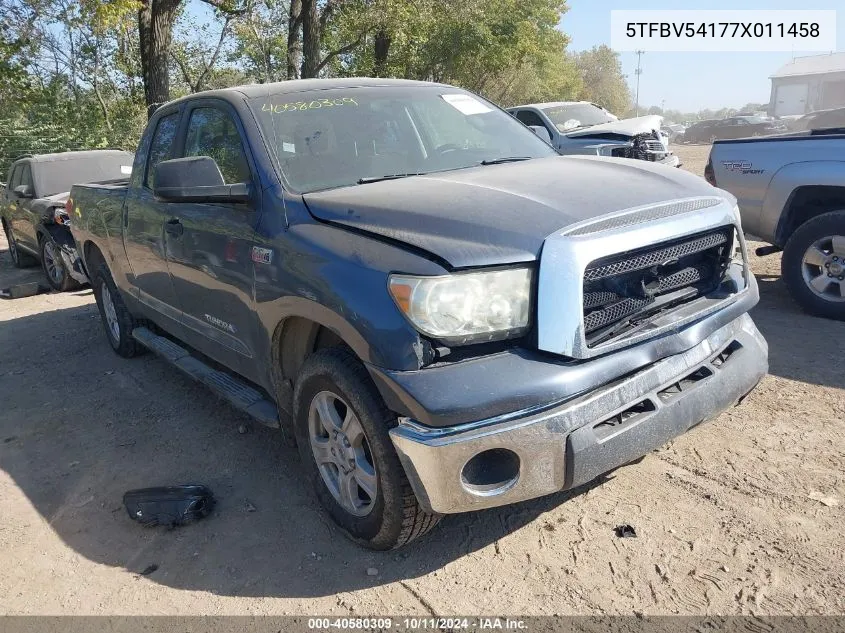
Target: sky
x=691 y=81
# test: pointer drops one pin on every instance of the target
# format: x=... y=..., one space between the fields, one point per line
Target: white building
x=807 y=84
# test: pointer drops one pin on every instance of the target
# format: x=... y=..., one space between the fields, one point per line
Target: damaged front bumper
x=539 y=451
x=73 y=263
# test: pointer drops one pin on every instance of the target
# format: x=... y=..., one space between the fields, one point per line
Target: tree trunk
x=155 y=30
x=294 y=41
x=310 y=39
x=380 y=51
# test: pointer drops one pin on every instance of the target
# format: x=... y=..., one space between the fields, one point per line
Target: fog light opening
x=491 y=472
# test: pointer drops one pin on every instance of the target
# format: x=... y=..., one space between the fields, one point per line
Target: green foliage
x=602 y=80
x=48 y=119
x=507 y=50
x=70 y=70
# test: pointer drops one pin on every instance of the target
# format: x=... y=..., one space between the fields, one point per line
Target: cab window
x=161 y=146
x=530 y=118
x=212 y=132
x=15 y=179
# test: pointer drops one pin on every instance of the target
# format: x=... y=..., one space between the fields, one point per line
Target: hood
x=630 y=127
x=500 y=214
x=50 y=202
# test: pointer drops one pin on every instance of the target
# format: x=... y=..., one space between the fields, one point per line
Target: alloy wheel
x=823 y=268
x=342 y=453
x=52 y=263
x=112 y=323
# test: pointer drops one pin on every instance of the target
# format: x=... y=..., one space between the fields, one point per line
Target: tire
x=118 y=322
x=390 y=518
x=54 y=266
x=19 y=258
x=816 y=251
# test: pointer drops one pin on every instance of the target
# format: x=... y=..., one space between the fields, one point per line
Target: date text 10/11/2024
x=417 y=624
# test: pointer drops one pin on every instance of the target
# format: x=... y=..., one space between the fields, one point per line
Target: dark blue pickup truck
x=447 y=314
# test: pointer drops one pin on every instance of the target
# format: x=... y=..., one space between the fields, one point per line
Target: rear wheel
x=54 y=267
x=342 y=429
x=813 y=265
x=19 y=258
x=117 y=320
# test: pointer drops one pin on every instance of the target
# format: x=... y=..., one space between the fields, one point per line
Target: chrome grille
x=657 y=257
x=618 y=289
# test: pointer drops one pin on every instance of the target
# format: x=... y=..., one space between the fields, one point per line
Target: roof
x=302 y=85
x=549 y=104
x=813 y=65
x=50 y=158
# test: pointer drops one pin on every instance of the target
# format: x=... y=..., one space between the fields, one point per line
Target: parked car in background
x=821 y=120
x=32 y=208
x=700 y=131
x=449 y=315
x=674 y=132
x=581 y=127
x=733 y=127
x=791 y=193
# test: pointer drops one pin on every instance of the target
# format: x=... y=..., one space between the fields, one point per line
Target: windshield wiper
x=505 y=159
x=368 y=179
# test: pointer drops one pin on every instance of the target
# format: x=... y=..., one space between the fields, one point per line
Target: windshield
x=571 y=117
x=338 y=137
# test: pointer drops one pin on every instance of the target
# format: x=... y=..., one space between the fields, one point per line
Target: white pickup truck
x=791 y=193
x=583 y=128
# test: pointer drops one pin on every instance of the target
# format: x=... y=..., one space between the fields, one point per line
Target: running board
x=233 y=390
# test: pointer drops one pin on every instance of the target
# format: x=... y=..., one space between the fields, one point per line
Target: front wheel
x=342 y=434
x=19 y=258
x=54 y=267
x=813 y=265
x=117 y=320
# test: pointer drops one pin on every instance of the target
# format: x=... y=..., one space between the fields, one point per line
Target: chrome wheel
x=112 y=324
x=52 y=263
x=342 y=453
x=823 y=268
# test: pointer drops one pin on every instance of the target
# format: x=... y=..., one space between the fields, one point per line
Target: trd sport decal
x=741 y=166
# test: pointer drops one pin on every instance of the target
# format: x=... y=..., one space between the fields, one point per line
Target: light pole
x=639 y=72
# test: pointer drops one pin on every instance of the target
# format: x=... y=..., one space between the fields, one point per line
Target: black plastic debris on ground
x=20 y=291
x=625 y=531
x=169 y=505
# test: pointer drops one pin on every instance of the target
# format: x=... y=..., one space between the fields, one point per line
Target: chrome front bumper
x=566 y=445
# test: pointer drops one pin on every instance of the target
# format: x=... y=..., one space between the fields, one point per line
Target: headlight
x=466 y=307
x=60 y=216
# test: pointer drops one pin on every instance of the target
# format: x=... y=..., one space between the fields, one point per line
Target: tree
x=197 y=51
x=602 y=79
x=499 y=48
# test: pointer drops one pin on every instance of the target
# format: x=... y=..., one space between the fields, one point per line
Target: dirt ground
x=743 y=515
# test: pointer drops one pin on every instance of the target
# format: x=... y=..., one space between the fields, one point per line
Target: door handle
x=174 y=227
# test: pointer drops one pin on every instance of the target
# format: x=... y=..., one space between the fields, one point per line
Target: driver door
x=209 y=245
x=22 y=218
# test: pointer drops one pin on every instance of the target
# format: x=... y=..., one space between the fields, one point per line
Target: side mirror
x=23 y=191
x=195 y=179
x=541 y=132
